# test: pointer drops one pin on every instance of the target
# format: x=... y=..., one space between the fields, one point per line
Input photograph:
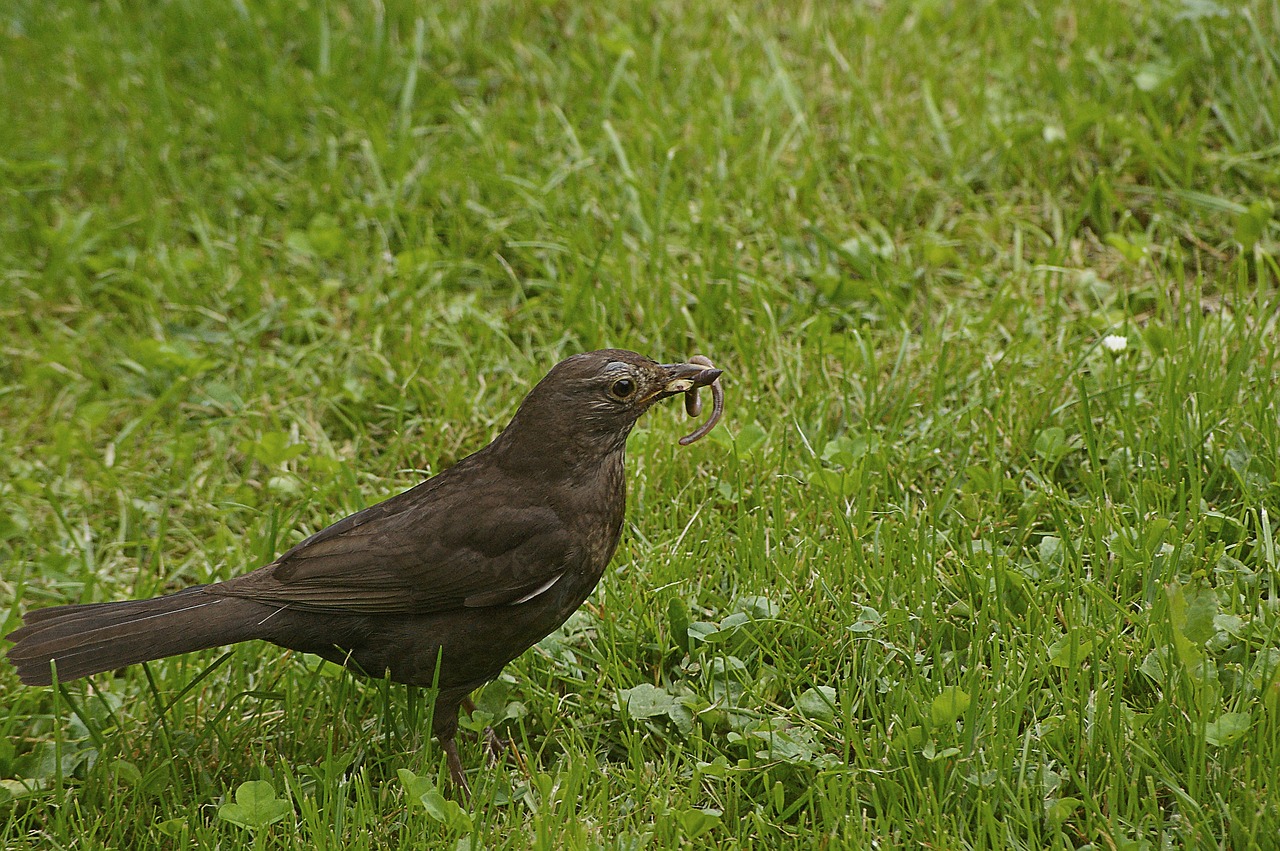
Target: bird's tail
x=87 y=639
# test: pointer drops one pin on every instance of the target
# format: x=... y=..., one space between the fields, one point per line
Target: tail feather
x=80 y=610
x=88 y=639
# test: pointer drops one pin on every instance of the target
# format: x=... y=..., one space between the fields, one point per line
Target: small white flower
x=1115 y=343
x=1052 y=133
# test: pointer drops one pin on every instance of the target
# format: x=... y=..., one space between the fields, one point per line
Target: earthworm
x=692 y=402
x=693 y=405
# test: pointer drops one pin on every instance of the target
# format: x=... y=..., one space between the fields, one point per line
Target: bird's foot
x=494 y=746
x=457 y=776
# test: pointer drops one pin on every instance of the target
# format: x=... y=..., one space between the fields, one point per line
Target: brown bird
x=439 y=586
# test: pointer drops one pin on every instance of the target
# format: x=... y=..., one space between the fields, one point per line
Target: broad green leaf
x=1153 y=665
x=930 y=752
x=756 y=607
x=46 y=761
x=449 y=813
x=1202 y=606
x=256 y=806
x=846 y=450
x=1232 y=625
x=718 y=767
x=644 y=701
x=678 y=621
x=1180 y=618
x=413 y=784
x=1069 y=651
x=818 y=702
x=1227 y=728
x=682 y=715
x=1059 y=810
x=1050 y=550
x=749 y=438
x=949 y=706
x=837 y=482
x=1051 y=444
x=727 y=666
x=795 y=746
x=695 y=822
x=1192 y=609
x=868 y=620
x=727 y=628
x=1224 y=527
x=909 y=739
x=701 y=631
x=126 y=772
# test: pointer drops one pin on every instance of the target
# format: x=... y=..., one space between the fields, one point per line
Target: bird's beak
x=682 y=377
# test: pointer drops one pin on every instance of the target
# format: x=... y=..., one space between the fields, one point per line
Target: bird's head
x=587 y=404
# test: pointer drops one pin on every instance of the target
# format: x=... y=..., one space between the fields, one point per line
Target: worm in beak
x=687 y=378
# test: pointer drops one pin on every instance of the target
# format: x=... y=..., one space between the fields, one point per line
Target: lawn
x=984 y=554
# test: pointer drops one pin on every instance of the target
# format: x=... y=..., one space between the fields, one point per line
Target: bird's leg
x=456 y=775
x=494 y=745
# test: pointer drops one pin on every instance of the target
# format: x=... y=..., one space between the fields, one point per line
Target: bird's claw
x=494 y=746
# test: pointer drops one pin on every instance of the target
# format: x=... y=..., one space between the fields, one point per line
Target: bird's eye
x=622 y=388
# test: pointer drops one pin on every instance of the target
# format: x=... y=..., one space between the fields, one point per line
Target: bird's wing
x=433 y=548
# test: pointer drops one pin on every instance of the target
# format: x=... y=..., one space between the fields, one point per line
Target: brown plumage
x=471 y=567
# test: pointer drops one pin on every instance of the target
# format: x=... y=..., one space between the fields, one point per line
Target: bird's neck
x=553 y=458
x=540 y=439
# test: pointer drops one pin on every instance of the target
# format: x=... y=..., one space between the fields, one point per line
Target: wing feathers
x=508 y=596
x=426 y=550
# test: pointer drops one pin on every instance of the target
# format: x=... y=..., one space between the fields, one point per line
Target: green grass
x=953 y=574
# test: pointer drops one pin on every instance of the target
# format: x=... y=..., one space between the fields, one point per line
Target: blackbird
x=440 y=586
